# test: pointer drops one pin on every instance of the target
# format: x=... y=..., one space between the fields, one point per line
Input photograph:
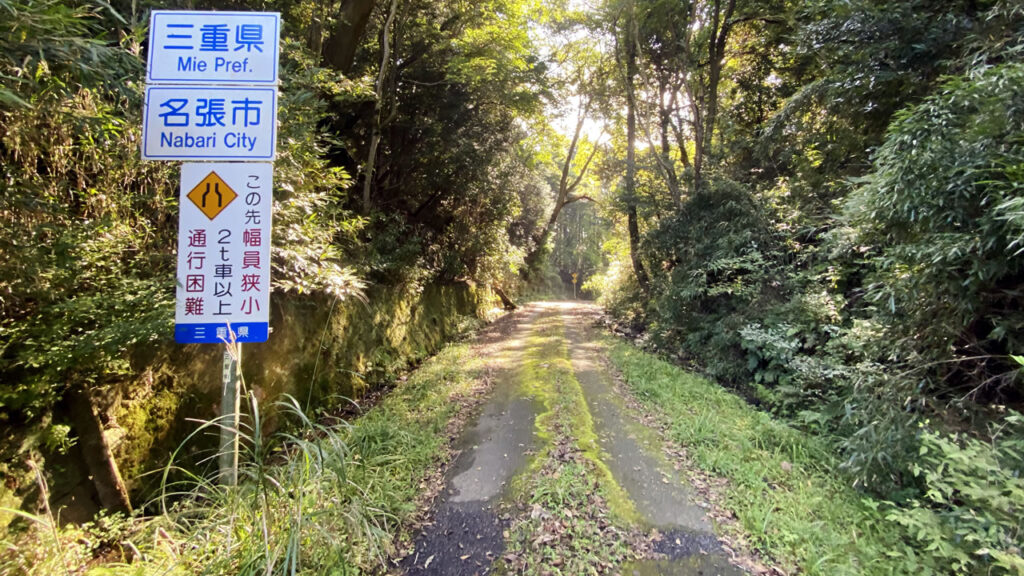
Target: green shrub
x=970 y=517
x=937 y=221
x=715 y=253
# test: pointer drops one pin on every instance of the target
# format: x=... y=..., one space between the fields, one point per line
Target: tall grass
x=297 y=506
x=314 y=497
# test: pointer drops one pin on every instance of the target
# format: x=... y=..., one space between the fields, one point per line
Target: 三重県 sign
x=187 y=47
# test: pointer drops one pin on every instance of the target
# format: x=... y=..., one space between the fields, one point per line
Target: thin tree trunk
x=721 y=27
x=375 y=135
x=565 y=189
x=103 y=469
x=631 y=211
x=666 y=147
x=698 y=143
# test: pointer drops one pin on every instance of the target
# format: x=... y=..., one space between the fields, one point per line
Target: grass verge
x=783 y=486
x=322 y=499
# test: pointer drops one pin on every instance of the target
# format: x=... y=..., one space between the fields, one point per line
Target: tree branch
x=579 y=198
x=583 y=171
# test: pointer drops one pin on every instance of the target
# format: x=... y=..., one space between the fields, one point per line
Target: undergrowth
x=322 y=498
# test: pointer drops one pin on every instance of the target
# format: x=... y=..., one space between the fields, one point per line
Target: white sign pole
x=230 y=405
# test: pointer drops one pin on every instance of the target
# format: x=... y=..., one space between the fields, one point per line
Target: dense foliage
x=87 y=230
x=850 y=257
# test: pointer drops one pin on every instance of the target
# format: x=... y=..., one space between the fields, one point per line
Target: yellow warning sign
x=212 y=195
x=574 y=276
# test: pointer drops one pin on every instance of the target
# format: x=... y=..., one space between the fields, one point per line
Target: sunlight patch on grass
x=783 y=485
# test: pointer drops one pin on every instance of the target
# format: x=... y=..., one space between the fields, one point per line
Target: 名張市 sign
x=223 y=291
x=209 y=123
x=188 y=47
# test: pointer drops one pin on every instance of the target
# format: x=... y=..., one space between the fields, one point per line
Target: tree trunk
x=565 y=190
x=103 y=469
x=340 y=49
x=505 y=300
x=698 y=144
x=631 y=212
x=665 y=119
x=722 y=25
x=375 y=135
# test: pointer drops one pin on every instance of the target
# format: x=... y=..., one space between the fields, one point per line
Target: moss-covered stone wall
x=321 y=351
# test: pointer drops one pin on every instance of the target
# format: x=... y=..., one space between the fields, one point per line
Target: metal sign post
x=211 y=95
x=230 y=405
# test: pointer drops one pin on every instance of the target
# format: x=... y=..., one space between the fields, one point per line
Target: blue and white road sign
x=224 y=253
x=213 y=47
x=209 y=123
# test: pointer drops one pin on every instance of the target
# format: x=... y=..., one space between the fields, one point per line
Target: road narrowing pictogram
x=212 y=195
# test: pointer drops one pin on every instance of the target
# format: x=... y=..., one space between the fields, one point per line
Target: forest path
x=487 y=492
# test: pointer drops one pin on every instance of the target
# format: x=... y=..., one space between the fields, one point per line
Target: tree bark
x=340 y=49
x=631 y=211
x=665 y=160
x=721 y=27
x=103 y=469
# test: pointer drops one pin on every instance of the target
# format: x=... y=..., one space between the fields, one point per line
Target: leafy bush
x=936 y=214
x=970 y=519
x=85 y=226
x=717 y=269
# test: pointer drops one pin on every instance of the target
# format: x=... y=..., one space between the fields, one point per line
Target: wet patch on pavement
x=463 y=540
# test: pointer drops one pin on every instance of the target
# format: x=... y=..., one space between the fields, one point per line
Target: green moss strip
x=547 y=375
x=783 y=485
x=572 y=516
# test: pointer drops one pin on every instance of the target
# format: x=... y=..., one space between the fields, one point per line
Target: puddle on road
x=690 y=566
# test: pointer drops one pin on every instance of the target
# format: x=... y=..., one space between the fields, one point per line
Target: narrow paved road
x=471 y=519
